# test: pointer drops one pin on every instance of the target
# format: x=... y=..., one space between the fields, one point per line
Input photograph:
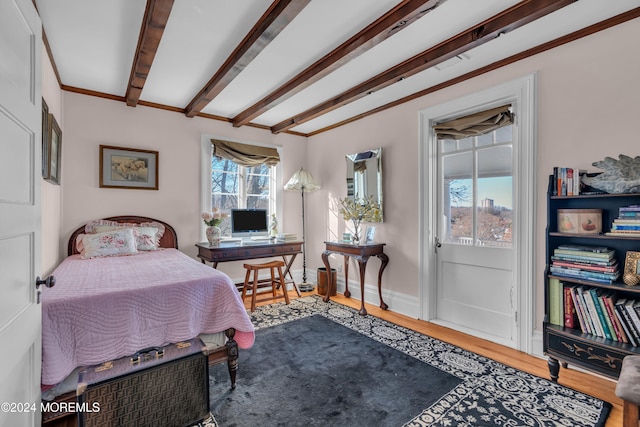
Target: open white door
x=20 y=178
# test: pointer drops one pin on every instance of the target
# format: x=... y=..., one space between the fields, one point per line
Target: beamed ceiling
x=300 y=66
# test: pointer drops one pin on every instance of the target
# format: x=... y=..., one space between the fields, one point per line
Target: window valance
x=475 y=124
x=245 y=154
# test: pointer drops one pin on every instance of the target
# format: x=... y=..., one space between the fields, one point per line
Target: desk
x=361 y=253
x=238 y=251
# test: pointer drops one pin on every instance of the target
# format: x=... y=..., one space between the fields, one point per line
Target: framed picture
x=128 y=168
x=632 y=268
x=45 y=139
x=54 y=151
x=370 y=234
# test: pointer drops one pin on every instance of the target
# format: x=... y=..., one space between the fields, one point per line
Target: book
x=630 y=208
x=579 y=310
x=633 y=334
x=632 y=321
x=625 y=325
x=601 y=318
x=605 y=314
x=586 y=260
x=587 y=315
x=593 y=314
x=609 y=298
x=570 y=312
x=634 y=227
x=569 y=174
x=629 y=306
x=555 y=302
x=587 y=266
x=585 y=254
x=585 y=275
x=577 y=181
x=585 y=248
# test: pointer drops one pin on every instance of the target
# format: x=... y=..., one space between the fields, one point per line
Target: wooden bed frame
x=228 y=352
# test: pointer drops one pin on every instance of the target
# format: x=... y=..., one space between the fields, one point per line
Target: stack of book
x=595 y=311
x=566 y=181
x=628 y=222
x=593 y=263
x=287 y=237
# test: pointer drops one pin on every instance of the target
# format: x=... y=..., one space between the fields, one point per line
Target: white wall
x=92 y=121
x=588 y=108
x=51 y=194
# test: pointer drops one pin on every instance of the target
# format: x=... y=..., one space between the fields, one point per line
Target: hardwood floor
x=593 y=385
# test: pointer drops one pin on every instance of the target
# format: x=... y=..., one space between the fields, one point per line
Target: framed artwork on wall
x=370 y=234
x=632 y=268
x=54 y=151
x=45 y=139
x=128 y=168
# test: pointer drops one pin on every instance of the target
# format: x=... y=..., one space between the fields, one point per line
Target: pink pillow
x=110 y=243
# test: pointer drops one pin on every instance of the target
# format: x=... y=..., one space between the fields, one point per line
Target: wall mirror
x=364 y=176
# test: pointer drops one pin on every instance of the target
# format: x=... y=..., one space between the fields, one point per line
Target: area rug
x=317 y=363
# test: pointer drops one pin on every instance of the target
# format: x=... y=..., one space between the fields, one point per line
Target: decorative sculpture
x=619 y=176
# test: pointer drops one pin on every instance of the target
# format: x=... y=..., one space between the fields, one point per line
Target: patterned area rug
x=488 y=393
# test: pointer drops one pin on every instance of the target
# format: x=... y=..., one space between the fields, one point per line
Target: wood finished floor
x=587 y=383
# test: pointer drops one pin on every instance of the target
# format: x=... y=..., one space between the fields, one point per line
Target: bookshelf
x=572 y=345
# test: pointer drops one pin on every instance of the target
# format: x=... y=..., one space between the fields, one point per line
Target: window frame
x=206 y=153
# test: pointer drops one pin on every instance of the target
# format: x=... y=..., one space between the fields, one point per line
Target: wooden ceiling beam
x=155 y=19
x=508 y=20
x=396 y=19
x=272 y=22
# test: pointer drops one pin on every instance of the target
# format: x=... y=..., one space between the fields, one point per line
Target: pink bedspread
x=106 y=308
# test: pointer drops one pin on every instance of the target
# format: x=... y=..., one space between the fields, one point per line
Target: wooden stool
x=258 y=283
x=628 y=389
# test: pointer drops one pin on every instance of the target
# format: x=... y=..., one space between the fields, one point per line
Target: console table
x=361 y=253
x=241 y=251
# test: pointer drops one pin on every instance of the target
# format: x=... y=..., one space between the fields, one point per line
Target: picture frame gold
x=631 y=274
x=131 y=168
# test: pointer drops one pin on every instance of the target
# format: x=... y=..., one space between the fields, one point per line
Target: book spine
x=554 y=188
x=593 y=314
x=579 y=310
x=569 y=309
x=555 y=302
x=625 y=227
x=585 y=309
x=633 y=332
x=569 y=182
x=600 y=314
x=583 y=274
x=615 y=323
x=587 y=267
x=633 y=315
x=593 y=255
x=625 y=325
x=561 y=257
x=607 y=318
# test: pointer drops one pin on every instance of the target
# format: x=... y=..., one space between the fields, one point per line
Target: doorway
x=477 y=219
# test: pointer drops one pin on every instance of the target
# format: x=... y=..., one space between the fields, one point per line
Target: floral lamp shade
x=302 y=181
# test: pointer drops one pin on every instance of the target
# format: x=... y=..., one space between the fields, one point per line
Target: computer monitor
x=249 y=223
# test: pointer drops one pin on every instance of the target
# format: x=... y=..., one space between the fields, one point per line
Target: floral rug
x=485 y=393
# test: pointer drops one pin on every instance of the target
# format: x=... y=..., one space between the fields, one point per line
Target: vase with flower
x=213 y=220
x=358 y=210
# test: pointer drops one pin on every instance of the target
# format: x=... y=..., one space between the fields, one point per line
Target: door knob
x=49 y=282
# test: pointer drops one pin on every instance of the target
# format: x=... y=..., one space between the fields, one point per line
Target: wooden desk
x=361 y=253
x=237 y=251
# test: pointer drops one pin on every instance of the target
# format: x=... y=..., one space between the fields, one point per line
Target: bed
x=106 y=307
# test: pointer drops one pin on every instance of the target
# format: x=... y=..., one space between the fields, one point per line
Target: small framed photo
x=370 y=234
x=631 y=274
x=128 y=168
x=53 y=151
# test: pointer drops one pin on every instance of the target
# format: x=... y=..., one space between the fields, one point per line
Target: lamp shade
x=302 y=180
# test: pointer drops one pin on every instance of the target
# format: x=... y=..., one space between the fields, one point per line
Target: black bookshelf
x=565 y=345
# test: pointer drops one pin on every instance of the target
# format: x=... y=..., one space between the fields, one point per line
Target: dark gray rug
x=317 y=363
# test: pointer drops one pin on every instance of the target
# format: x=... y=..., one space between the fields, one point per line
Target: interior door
x=474 y=251
x=20 y=178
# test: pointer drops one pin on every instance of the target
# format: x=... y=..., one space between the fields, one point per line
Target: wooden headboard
x=169 y=238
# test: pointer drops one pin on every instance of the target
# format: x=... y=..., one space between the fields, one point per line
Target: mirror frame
x=369 y=160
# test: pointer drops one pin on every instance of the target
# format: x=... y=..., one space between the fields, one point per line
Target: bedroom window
x=241 y=176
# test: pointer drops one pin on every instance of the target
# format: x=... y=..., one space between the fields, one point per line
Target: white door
x=20 y=177
x=474 y=254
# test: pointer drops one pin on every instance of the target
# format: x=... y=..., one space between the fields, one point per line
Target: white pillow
x=110 y=243
x=147 y=238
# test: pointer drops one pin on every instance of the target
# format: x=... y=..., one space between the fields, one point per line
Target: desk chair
x=257 y=283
